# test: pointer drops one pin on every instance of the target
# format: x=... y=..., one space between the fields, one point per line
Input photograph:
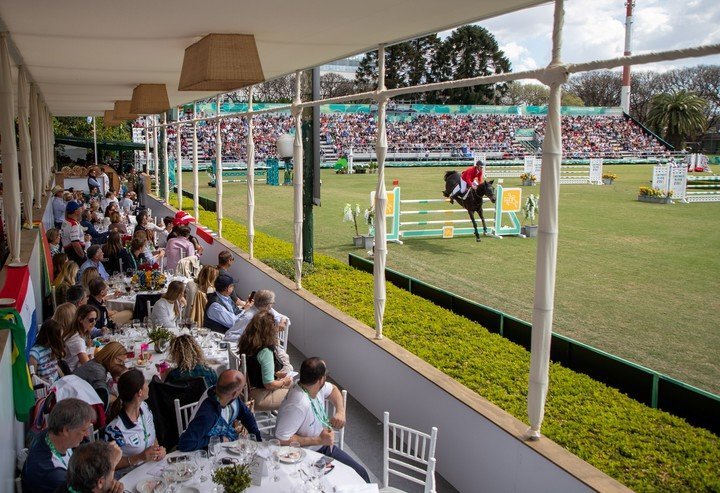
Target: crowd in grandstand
x=583 y=136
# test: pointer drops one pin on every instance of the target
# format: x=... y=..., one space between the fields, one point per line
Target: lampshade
x=221 y=62
x=122 y=111
x=149 y=99
x=109 y=119
x=285 y=146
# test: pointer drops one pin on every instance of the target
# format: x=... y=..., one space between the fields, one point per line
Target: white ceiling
x=86 y=54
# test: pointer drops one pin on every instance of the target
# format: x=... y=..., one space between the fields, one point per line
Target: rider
x=472 y=176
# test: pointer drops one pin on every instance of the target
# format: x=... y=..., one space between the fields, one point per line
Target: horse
x=474 y=200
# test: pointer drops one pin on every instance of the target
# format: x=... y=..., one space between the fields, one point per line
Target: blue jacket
x=208 y=421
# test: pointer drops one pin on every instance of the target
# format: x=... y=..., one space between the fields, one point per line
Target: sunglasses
x=91 y=319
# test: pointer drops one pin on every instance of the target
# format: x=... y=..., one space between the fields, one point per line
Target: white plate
x=151 y=486
x=287 y=456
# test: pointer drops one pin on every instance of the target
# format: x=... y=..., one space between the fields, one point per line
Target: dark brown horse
x=473 y=201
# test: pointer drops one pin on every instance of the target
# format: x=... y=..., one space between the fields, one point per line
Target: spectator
x=46 y=466
x=189 y=360
x=179 y=247
x=98 y=293
x=126 y=203
x=47 y=351
x=78 y=295
x=116 y=223
x=86 y=221
x=92 y=179
x=262 y=303
x=162 y=237
x=182 y=218
x=53 y=238
x=225 y=261
x=92 y=469
x=76 y=338
x=130 y=422
x=117 y=258
x=205 y=285
x=268 y=382
x=218 y=412
x=107 y=364
x=88 y=275
x=58 y=206
x=73 y=237
x=302 y=417
x=65 y=315
x=64 y=280
x=108 y=199
x=221 y=313
x=137 y=252
x=167 y=311
x=94 y=259
x=58 y=261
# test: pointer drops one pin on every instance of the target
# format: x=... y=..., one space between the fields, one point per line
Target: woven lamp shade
x=109 y=119
x=122 y=111
x=221 y=62
x=149 y=99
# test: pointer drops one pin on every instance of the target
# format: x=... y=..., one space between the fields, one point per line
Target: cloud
x=520 y=57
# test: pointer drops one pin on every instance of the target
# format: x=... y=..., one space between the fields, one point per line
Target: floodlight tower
x=625 y=91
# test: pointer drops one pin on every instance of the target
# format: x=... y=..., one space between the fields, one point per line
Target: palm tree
x=677 y=116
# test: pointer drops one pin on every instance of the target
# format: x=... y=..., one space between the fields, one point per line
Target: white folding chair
x=233 y=360
x=94 y=434
x=283 y=337
x=411 y=450
x=182 y=414
x=330 y=410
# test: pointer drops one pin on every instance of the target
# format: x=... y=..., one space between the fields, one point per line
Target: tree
x=77 y=126
x=598 y=88
x=333 y=85
x=536 y=95
x=677 y=115
x=470 y=51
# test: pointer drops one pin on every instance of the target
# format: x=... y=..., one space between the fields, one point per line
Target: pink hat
x=182 y=218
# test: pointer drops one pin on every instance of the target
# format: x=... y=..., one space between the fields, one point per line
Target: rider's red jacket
x=471 y=173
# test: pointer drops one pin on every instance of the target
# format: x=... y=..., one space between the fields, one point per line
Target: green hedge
x=643 y=448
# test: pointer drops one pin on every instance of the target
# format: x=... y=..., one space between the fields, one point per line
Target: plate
x=288 y=456
x=151 y=486
x=234 y=450
x=141 y=365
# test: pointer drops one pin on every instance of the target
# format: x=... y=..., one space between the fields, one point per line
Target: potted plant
x=530 y=210
x=372 y=167
x=161 y=338
x=234 y=479
x=361 y=169
x=655 y=195
x=528 y=179
x=369 y=239
x=609 y=178
x=351 y=214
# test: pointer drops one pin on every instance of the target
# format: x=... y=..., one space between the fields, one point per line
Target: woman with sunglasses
x=76 y=338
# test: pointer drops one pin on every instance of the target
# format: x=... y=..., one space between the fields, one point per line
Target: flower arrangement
x=531 y=208
x=528 y=177
x=351 y=214
x=235 y=479
x=654 y=192
x=609 y=176
x=370 y=219
x=148 y=277
x=159 y=334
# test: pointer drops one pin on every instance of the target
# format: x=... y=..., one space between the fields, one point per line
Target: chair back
x=183 y=414
x=233 y=359
x=161 y=403
x=330 y=410
x=243 y=370
x=94 y=434
x=409 y=454
x=190 y=292
x=283 y=336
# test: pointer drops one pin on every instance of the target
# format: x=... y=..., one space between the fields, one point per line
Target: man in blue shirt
x=221 y=313
x=219 y=413
x=94 y=259
x=46 y=465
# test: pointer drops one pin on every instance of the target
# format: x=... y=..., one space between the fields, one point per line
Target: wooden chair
x=412 y=451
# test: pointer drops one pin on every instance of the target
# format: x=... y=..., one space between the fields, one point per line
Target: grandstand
x=436 y=133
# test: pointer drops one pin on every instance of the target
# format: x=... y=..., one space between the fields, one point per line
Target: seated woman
x=130 y=422
x=64 y=280
x=268 y=383
x=179 y=247
x=76 y=337
x=65 y=315
x=87 y=276
x=189 y=360
x=116 y=255
x=116 y=223
x=107 y=364
x=58 y=261
x=152 y=256
x=205 y=285
x=111 y=207
x=47 y=351
x=53 y=238
x=137 y=253
x=167 y=311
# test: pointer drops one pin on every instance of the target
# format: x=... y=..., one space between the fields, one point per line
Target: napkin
x=357 y=488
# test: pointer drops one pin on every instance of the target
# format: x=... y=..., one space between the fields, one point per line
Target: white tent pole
x=196 y=179
x=147 y=146
x=546 y=259
x=51 y=149
x=95 y=141
x=35 y=145
x=25 y=151
x=8 y=150
x=380 y=201
x=42 y=143
x=218 y=170
x=298 y=181
x=251 y=178
x=178 y=157
x=156 y=155
x=166 y=168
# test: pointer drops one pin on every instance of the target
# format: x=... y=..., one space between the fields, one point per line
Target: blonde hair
x=206 y=278
x=186 y=353
x=67 y=274
x=88 y=275
x=108 y=352
x=64 y=315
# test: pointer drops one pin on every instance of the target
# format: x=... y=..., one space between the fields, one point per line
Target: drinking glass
x=214 y=449
x=169 y=476
x=274 y=446
x=296 y=449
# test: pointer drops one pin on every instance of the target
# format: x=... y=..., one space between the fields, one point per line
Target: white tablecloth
x=127 y=301
x=341 y=475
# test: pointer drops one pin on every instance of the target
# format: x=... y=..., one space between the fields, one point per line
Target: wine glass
x=274 y=446
x=214 y=449
x=296 y=450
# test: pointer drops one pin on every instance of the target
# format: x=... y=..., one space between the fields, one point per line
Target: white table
x=289 y=480
x=127 y=301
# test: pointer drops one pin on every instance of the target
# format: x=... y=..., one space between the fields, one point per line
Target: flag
x=23 y=394
x=204 y=234
x=19 y=286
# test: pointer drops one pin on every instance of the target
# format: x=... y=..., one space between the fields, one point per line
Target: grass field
x=634 y=279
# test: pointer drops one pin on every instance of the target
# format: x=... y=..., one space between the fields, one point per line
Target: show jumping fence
x=570 y=174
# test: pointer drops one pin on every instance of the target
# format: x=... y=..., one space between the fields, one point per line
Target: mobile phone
x=173 y=460
x=251 y=297
x=323 y=461
x=228 y=460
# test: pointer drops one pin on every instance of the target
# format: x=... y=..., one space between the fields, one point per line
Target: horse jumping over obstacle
x=474 y=199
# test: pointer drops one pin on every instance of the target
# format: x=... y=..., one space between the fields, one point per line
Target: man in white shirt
x=58 y=205
x=302 y=415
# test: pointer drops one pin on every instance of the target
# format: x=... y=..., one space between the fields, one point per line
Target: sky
x=595 y=29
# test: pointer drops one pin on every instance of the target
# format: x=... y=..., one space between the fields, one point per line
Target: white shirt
x=74 y=346
x=132 y=438
x=296 y=416
x=163 y=313
x=236 y=331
